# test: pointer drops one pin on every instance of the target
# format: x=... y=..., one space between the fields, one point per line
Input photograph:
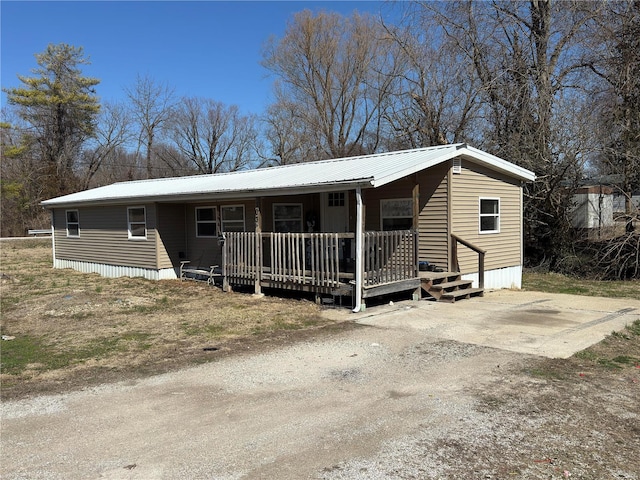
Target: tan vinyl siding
x=104 y=238
x=171 y=235
x=433 y=221
x=503 y=248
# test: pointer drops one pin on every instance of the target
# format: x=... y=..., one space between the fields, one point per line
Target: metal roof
x=367 y=171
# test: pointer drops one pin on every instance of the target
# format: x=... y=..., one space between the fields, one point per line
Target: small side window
x=137 y=222
x=489 y=218
x=73 y=223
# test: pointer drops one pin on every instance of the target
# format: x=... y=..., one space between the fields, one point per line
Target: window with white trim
x=489 y=215
x=73 y=223
x=232 y=218
x=137 y=222
x=206 y=222
x=287 y=217
x=396 y=214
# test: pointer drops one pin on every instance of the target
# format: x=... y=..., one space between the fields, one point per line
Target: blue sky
x=204 y=49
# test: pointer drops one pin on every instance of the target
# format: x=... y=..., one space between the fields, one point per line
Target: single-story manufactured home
x=360 y=226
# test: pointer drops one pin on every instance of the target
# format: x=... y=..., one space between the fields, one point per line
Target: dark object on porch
x=425 y=266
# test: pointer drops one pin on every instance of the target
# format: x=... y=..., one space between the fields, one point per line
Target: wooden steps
x=448 y=286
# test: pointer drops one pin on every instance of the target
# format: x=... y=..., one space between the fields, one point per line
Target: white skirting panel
x=113 y=271
x=509 y=277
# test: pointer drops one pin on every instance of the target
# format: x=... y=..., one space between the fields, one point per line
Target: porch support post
x=258 y=247
x=416 y=206
x=359 y=251
x=417 y=293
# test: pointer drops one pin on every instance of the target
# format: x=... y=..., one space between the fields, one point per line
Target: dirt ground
x=290 y=393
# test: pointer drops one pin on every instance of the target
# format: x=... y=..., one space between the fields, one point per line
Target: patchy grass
x=72 y=329
x=557 y=283
x=618 y=353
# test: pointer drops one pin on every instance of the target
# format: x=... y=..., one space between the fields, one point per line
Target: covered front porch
x=360 y=266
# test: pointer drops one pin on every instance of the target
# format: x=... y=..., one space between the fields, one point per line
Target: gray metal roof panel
x=368 y=170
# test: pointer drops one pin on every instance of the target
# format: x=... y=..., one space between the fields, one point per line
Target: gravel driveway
x=387 y=399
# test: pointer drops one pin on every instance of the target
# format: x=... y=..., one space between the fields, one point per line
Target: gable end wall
x=504 y=249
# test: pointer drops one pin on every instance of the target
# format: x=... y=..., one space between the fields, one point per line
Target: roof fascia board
x=498 y=163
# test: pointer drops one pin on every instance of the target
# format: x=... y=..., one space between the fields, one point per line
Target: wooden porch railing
x=390 y=256
x=302 y=258
x=454 y=256
x=319 y=259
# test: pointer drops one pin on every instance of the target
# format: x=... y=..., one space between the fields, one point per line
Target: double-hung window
x=287 y=217
x=489 y=217
x=73 y=223
x=396 y=214
x=232 y=218
x=206 y=222
x=137 y=223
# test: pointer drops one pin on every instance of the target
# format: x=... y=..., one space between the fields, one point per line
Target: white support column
x=359 y=251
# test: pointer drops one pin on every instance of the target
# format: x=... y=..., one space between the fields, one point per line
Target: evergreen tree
x=60 y=107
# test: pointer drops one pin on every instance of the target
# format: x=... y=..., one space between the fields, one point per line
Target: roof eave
x=204 y=196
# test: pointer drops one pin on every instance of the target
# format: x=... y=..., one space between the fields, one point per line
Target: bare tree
x=338 y=72
x=210 y=136
x=21 y=174
x=614 y=57
x=113 y=132
x=151 y=105
x=289 y=137
x=438 y=92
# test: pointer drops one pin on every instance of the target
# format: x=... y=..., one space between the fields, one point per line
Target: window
x=137 y=220
x=336 y=199
x=396 y=214
x=206 y=222
x=232 y=217
x=287 y=217
x=73 y=223
x=489 y=215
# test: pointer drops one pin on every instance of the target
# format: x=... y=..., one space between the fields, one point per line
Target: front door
x=335 y=212
x=335 y=218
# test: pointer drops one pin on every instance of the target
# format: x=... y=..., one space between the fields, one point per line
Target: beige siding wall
x=172 y=238
x=503 y=248
x=434 y=218
x=104 y=239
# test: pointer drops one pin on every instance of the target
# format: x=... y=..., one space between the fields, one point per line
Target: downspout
x=359 y=259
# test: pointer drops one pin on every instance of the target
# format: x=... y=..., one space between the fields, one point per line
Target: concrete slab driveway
x=545 y=324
